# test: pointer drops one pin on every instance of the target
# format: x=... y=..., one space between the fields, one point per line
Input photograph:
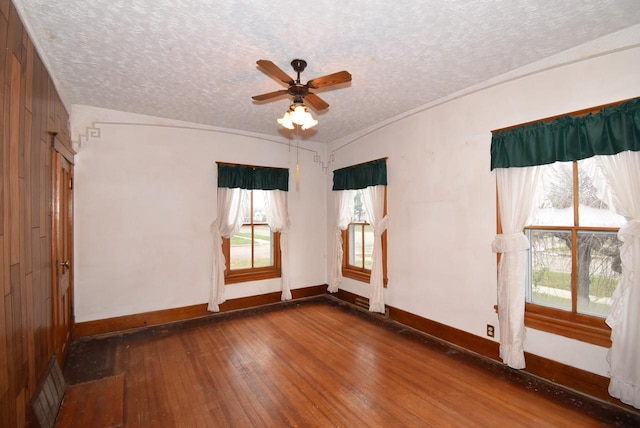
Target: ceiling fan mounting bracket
x=299 y=65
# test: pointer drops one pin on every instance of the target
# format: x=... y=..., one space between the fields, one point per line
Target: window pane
x=263 y=246
x=549 y=282
x=556 y=206
x=240 y=249
x=259 y=206
x=246 y=206
x=368 y=246
x=355 y=244
x=593 y=209
x=359 y=210
x=599 y=269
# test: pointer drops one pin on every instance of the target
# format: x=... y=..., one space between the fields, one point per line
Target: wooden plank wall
x=29 y=111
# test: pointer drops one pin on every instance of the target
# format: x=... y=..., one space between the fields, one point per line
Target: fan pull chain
x=297 y=160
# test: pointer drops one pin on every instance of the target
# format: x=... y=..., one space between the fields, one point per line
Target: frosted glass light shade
x=297 y=115
x=286 y=121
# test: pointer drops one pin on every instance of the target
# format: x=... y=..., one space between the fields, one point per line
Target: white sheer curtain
x=226 y=224
x=517 y=189
x=373 y=200
x=278 y=221
x=623 y=176
x=343 y=213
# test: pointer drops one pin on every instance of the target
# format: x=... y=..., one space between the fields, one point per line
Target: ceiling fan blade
x=315 y=101
x=330 y=80
x=275 y=71
x=269 y=95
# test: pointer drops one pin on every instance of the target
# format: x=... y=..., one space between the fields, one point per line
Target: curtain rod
x=364 y=163
x=578 y=113
x=250 y=166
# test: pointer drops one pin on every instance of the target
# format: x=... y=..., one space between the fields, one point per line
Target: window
x=359 y=237
x=242 y=214
x=574 y=259
x=254 y=252
x=358 y=243
x=580 y=229
x=368 y=179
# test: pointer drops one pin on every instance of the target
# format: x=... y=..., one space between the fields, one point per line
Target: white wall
x=441 y=194
x=145 y=196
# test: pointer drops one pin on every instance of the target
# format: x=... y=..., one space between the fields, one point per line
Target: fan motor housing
x=298 y=90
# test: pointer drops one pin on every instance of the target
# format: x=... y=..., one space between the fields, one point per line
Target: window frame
x=586 y=328
x=255 y=273
x=576 y=326
x=361 y=273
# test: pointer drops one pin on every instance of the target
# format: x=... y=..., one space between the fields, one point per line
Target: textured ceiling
x=194 y=60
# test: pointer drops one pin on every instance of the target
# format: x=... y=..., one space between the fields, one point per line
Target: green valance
x=372 y=173
x=612 y=130
x=253 y=177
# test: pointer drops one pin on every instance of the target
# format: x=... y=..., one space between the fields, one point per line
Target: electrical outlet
x=490 y=330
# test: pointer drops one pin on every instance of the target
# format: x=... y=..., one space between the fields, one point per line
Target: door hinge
x=71 y=183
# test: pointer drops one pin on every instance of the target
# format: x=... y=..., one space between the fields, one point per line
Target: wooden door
x=62 y=243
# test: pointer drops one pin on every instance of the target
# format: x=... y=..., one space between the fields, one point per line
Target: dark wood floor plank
x=317 y=364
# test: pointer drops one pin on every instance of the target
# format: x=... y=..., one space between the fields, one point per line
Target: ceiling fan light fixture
x=297 y=115
x=286 y=121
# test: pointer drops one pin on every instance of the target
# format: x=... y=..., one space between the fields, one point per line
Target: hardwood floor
x=314 y=363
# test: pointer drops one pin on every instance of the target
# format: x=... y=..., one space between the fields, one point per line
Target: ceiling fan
x=297 y=90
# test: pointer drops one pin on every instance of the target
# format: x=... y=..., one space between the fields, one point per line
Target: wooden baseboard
x=579 y=380
x=570 y=377
x=128 y=322
x=471 y=342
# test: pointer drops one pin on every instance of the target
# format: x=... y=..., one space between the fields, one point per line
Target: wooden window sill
x=357 y=275
x=361 y=275
x=581 y=327
x=252 y=275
